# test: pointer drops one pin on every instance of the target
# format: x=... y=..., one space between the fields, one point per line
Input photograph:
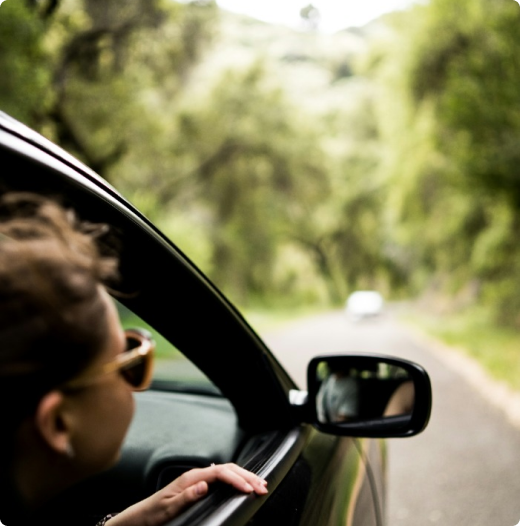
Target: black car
x=219 y=395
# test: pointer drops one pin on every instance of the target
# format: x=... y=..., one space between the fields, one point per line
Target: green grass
x=497 y=349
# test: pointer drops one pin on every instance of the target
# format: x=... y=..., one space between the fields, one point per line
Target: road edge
x=496 y=392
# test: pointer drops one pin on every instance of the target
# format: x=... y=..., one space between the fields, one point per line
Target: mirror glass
x=354 y=391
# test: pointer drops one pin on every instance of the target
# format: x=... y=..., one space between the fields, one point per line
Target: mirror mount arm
x=299 y=401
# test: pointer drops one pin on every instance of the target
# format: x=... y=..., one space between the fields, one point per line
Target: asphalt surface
x=464 y=469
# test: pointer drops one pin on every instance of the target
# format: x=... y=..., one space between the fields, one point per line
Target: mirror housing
x=367 y=395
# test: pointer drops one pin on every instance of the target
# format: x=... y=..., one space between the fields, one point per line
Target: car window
x=172 y=370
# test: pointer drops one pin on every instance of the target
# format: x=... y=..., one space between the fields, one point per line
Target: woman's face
x=105 y=408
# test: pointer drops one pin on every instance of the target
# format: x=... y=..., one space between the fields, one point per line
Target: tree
x=249 y=162
x=310 y=16
x=24 y=63
x=98 y=64
x=451 y=120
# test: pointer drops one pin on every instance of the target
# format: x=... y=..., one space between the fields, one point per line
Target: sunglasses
x=135 y=364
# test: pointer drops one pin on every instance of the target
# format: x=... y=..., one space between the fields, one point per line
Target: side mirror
x=368 y=395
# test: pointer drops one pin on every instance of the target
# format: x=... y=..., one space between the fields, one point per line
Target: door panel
x=327 y=485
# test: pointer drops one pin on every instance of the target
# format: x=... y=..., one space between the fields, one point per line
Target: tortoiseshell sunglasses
x=135 y=364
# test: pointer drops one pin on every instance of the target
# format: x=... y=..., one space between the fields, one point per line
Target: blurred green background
x=294 y=167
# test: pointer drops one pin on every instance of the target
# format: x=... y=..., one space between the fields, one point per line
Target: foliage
x=96 y=65
x=310 y=15
x=249 y=165
x=293 y=171
x=23 y=62
x=452 y=131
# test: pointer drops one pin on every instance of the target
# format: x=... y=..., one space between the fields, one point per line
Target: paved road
x=464 y=469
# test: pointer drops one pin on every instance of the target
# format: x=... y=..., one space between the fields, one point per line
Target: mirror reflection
x=373 y=390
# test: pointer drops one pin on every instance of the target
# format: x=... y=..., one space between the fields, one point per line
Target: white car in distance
x=363 y=304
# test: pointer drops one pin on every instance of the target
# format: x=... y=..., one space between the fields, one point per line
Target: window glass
x=172 y=370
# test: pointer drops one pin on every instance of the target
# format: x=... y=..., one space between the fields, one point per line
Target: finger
x=177 y=503
x=240 y=478
x=258 y=483
x=230 y=473
x=196 y=491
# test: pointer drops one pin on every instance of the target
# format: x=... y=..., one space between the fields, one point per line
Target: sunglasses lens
x=132 y=342
x=136 y=373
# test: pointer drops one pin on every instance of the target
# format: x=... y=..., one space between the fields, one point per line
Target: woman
x=62 y=348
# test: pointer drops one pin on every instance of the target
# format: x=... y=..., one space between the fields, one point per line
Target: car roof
x=161 y=284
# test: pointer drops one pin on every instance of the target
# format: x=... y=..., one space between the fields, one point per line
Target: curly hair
x=52 y=317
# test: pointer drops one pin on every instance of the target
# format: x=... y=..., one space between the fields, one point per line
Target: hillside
x=314 y=68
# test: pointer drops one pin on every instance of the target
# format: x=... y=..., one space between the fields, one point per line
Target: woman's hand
x=187 y=489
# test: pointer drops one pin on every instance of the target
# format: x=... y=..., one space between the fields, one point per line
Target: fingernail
x=200 y=488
